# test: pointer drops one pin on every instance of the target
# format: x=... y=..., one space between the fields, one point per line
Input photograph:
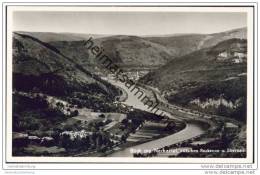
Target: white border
x=156 y=160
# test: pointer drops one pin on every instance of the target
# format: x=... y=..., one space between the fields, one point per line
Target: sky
x=128 y=23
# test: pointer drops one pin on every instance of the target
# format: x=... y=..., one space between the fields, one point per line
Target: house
x=34 y=139
x=238 y=60
x=76 y=134
x=47 y=141
x=239 y=54
x=223 y=56
x=202 y=142
x=116 y=117
x=18 y=135
x=231 y=127
x=239 y=57
x=20 y=139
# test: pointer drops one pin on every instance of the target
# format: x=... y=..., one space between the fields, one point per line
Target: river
x=191 y=130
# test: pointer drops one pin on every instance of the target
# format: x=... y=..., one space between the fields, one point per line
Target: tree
x=60 y=106
x=123 y=138
x=124 y=122
x=74 y=113
x=65 y=141
x=102 y=116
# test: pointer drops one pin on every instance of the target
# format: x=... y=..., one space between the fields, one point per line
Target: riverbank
x=129 y=145
x=192 y=129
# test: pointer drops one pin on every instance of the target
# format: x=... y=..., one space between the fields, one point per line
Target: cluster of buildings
x=76 y=134
x=235 y=56
x=24 y=139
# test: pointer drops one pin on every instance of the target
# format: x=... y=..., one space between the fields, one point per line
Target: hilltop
x=135 y=50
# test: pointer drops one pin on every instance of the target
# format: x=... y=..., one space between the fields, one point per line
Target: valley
x=67 y=104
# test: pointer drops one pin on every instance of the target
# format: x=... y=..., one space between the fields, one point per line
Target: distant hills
x=183 y=44
x=51 y=36
x=137 y=50
x=195 y=70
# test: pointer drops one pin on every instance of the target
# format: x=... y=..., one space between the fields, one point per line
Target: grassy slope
x=44 y=66
x=123 y=50
x=198 y=67
x=200 y=75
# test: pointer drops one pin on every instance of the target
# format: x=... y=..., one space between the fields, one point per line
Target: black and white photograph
x=131 y=84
